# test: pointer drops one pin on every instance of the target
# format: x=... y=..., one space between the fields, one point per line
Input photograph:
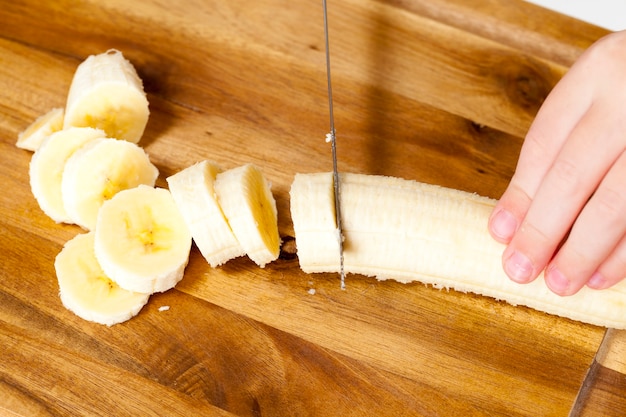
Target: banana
x=45 y=125
x=315 y=225
x=47 y=165
x=247 y=202
x=99 y=170
x=141 y=240
x=193 y=192
x=410 y=231
x=86 y=290
x=107 y=93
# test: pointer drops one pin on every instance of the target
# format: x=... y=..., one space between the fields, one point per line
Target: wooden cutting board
x=440 y=91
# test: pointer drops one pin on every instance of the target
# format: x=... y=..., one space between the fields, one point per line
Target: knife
x=332 y=138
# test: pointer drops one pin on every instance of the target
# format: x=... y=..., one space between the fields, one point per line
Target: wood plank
x=184 y=360
x=601 y=394
x=450 y=338
x=369 y=47
x=523 y=26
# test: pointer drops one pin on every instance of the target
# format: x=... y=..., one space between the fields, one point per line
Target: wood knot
x=525 y=80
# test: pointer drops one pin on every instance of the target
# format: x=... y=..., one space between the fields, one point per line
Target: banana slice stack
x=230 y=213
x=87 y=169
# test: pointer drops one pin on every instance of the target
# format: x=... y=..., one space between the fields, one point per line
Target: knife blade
x=332 y=138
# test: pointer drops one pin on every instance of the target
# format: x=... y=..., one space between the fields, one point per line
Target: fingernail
x=518 y=267
x=556 y=281
x=597 y=281
x=503 y=225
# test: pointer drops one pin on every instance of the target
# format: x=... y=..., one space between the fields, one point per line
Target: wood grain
x=439 y=91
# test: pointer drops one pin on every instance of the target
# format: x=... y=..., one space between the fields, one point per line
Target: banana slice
x=99 y=170
x=45 y=125
x=142 y=241
x=248 y=204
x=86 y=290
x=47 y=165
x=193 y=192
x=107 y=93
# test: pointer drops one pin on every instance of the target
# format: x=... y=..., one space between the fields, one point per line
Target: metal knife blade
x=333 y=141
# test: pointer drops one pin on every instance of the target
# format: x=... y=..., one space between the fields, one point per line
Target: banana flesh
x=107 y=93
x=47 y=166
x=247 y=202
x=409 y=231
x=138 y=240
x=141 y=240
x=85 y=289
x=194 y=194
x=97 y=171
x=33 y=136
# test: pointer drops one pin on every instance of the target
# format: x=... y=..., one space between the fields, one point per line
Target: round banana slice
x=248 y=204
x=142 y=241
x=193 y=192
x=99 y=170
x=107 y=93
x=33 y=136
x=86 y=290
x=48 y=163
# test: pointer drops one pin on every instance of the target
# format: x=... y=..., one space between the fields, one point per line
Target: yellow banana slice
x=48 y=163
x=194 y=194
x=99 y=170
x=45 y=125
x=86 y=290
x=410 y=231
x=142 y=241
x=107 y=93
x=247 y=202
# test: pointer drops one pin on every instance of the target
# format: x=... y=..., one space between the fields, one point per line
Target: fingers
x=595 y=247
x=565 y=207
x=578 y=169
x=564 y=107
x=612 y=270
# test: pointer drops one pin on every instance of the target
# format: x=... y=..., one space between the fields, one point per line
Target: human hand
x=565 y=208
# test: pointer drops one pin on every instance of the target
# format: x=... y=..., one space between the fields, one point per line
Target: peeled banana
x=141 y=240
x=97 y=171
x=86 y=290
x=45 y=125
x=410 y=231
x=246 y=199
x=107 y=93
x=47 y=166
x=194 y=194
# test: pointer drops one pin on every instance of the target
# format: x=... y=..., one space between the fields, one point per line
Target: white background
x=609 y=14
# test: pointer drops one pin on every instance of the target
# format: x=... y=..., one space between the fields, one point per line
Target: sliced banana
x=193 y=192
x=142 y=241
x=107 y=93
x=99 y=170
x=247 y=202
x=86 y=290
x=312 y=207
x=48 y=163
x=45 y=125
x=410 y=231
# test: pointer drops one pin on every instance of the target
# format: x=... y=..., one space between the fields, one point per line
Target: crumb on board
x=311 y=291
x=164 y=308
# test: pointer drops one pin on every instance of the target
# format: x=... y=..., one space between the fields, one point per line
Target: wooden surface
x=440 y=91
